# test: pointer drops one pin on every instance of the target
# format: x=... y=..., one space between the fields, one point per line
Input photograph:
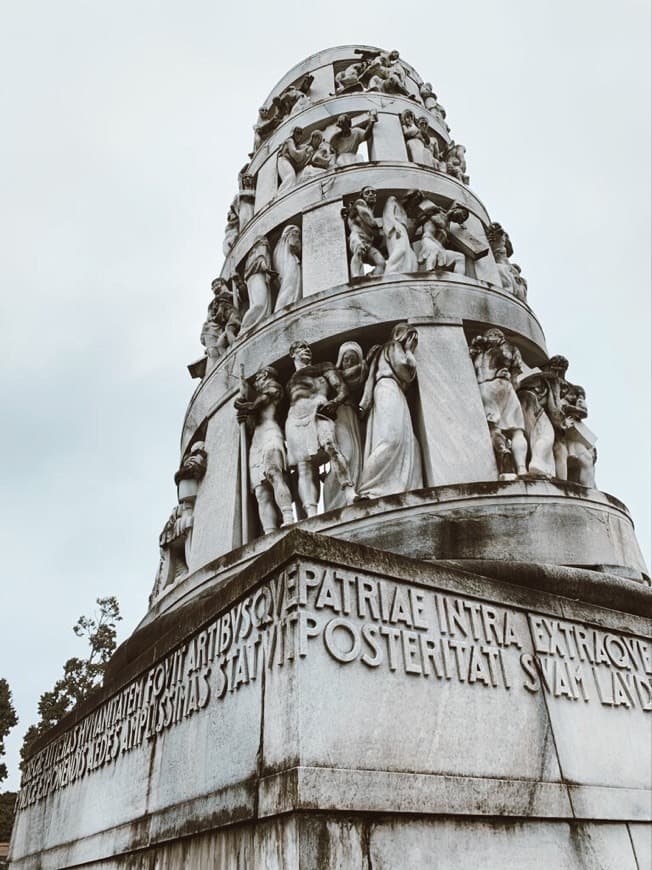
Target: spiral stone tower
x=395 y=624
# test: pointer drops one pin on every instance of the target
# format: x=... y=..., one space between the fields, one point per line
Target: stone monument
x=395 y=624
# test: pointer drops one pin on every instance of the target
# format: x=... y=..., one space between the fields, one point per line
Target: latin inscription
x=360 y=621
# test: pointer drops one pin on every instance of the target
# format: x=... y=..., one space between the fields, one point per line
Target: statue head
x=406 y=335
x=301 y=353
x=219 y=286
x=291 y=237
x=407 y=117
x=344 y=123
x=458 y=213
x=263 y=377
x=578 y=397
x=350 y=354
x=316 y=138
x=426 y=90
x=494 y=337
x=557 y=365
x=369 y=195
x=297 y=135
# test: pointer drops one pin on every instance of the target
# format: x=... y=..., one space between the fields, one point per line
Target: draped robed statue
x=392 y=458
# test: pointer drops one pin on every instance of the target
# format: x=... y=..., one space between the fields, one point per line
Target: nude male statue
x=267 y=457
x=346 y=141
x=363 y=231
x=497 y=366
x=315 y=392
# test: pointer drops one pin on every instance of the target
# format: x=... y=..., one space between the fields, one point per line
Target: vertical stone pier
x=395 y=623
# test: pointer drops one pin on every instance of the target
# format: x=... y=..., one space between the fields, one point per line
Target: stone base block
x=333 y=705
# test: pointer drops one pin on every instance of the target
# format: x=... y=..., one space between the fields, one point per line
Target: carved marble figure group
x=327 y=404
x=381 y=71
x=291 y=101
x=271 y=280
x=423 y=148
x=301 y=157
x=412 y=235
x=535 y=419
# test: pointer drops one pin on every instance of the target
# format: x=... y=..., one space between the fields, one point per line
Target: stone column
x=217 y=514
x=387 y=139
x=323 y=83
x=266 y=183
x=454 y=435
x=485 y=267
x=325 y=258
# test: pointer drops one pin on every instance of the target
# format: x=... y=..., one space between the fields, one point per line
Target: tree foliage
x=7 y=811
x=8 y=719
x=80 y=675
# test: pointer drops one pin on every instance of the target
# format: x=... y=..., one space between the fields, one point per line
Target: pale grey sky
x=124 y=126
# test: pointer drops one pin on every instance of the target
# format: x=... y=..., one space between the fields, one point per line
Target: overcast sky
x=124 y=125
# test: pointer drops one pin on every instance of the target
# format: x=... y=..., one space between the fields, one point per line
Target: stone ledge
x=339 y=791
x=381 y=514
x=373 y=791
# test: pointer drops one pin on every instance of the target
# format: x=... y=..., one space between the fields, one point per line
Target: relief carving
x=413 y=235
x=267 y=457
x=364 y=234
x=400 y=256
x=392 y=458
x=222 y=323
x=232 y=228
x=510 y=273
x=257 y=275
x=291 y=101
x=175 y=540
x=455 y=160
x=498 y=365
x=348 y=434
x=322 y=158
x=315 y=392
x=376 y=71
x=422 y=147
x=287 y=265
x=346 y=141
x=293 y=155
x=561 y=445
x=429 y=98
x=434 y=225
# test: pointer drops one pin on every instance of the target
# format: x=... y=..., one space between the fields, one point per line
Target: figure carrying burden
x=267 y=457
x=498 y=365
x=315 y=392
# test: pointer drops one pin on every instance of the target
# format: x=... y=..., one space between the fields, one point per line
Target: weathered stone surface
x=388 y=142
x=455 y=441
x=219 y=494
x=266 y=183
x=304 y=684
x=325 y=262
x=498 y=845
x=641 y=836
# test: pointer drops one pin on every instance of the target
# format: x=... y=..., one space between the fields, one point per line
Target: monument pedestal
x=333 y=705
